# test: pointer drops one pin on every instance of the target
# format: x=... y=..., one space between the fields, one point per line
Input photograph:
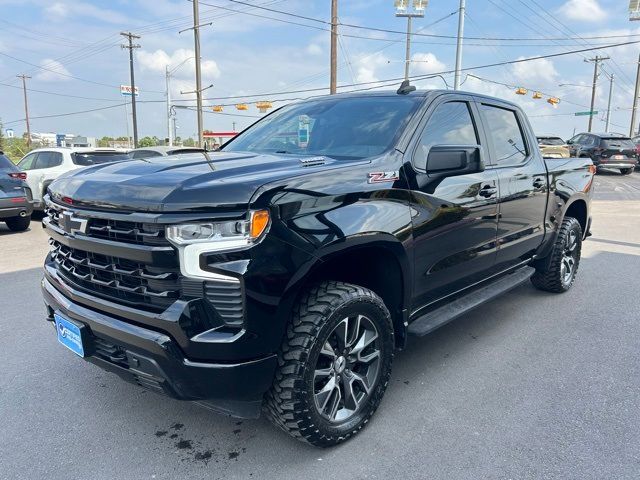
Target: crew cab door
x=455 y=218
x=522 y=176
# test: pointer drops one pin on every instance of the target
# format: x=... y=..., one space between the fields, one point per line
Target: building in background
x=62 y=140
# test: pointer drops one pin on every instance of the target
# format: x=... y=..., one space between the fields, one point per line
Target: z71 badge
x=380 y=177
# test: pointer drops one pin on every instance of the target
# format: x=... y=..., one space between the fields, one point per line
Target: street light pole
x=611 y=79
x=402 y=10
x=461 y=10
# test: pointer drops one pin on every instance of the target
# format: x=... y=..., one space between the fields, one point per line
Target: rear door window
x=505 y=132
x=28 y=162
x=48 y=160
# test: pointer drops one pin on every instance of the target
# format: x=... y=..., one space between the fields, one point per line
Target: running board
x=443 y=315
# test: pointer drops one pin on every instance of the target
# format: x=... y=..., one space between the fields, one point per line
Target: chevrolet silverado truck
x=280 y=274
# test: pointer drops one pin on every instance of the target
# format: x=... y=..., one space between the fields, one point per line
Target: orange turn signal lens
x=592 y=169
x=259 y=222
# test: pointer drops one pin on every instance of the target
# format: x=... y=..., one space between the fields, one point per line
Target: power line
x=58 y=94
x=67 y=114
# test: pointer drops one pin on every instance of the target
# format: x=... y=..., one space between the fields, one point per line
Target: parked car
x=552 y=146
x=15 y=196
x=636 y=141
x=164 y=151
x=608 y=150
x=283 y=278
x=43 y=165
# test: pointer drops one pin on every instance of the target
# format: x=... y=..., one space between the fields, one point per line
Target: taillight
x=20 y=175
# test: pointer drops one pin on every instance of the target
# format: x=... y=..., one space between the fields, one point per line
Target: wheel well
x=375 y=268
x=578 y=210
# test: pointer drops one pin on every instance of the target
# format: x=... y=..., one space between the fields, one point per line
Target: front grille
x=117 y=230
x=124 y=280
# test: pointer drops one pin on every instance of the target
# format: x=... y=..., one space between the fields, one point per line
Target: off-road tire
x=626 y=171
x=290 y=403
x=18 y=224
x=549 y=275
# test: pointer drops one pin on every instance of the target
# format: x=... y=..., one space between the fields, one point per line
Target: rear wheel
x=18 y=224
x=560 y=270
x=626 y=171
x=334 y=364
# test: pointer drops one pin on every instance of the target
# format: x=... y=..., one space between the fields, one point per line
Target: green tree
x=146 y=142
x=189 y=142
x=105 y=141
x=15 y=148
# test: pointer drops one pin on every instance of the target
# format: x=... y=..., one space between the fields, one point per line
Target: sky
x=72 y=52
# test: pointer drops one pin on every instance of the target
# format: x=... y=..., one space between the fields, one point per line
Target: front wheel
x=559 y=271
x=334 y=364
x=626 y=171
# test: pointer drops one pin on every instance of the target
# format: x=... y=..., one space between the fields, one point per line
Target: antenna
x=405 y=88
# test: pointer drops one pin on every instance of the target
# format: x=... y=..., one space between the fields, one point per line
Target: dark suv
x=15 y=196
x=608 y=150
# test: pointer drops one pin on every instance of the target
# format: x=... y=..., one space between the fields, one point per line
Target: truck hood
x=184 y=183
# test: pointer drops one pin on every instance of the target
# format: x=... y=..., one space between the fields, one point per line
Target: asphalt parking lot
x=530 y=386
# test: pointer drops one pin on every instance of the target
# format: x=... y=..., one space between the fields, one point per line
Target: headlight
x=221 y=235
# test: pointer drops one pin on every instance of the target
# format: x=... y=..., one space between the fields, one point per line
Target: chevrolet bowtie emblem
x=71 y=224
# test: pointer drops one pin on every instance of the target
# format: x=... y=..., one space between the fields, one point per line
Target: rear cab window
x=505 y=132
x=85 y=159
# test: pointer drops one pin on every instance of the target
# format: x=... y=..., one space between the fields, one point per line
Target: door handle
x=488 y=191
x=539 y=183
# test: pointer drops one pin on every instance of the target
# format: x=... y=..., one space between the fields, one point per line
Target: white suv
x=44 y=165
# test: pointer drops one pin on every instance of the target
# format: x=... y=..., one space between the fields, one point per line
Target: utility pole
x=635 y=100
x=26 y=107
x=130 y=36
x=333 y=81
x=596 y=64
x=611 y=79
x=169 y=129
x=402 y=10
x=461 y=10
x=196 y=39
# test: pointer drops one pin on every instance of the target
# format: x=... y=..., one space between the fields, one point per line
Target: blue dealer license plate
x=69 y=334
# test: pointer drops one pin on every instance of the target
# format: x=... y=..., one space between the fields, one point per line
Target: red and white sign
x=126 y=90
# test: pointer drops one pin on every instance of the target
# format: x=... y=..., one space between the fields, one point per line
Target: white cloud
x=368 y=65
x=583 y=10
x=55 y=71
x=158 y=60
x=59 y=11
x=535 y=72
x=425 y=63
x=314 y=49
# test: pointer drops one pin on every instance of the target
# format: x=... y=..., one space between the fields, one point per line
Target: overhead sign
x=9 y=133
x=126 y=90
x=579 y=114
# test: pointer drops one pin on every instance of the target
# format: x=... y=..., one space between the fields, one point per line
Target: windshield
x=96 y=158
x=618 y=142
x=550 y=141
x=341 y=128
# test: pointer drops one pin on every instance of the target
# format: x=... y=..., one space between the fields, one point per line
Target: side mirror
x=569 y=142
x=453 y=160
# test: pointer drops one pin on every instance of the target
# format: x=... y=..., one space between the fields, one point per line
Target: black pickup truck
x=281 y=273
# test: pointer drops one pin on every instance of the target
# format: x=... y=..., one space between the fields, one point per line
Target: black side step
x=443 y=315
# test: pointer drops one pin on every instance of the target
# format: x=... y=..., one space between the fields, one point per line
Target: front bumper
x=154 y=360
